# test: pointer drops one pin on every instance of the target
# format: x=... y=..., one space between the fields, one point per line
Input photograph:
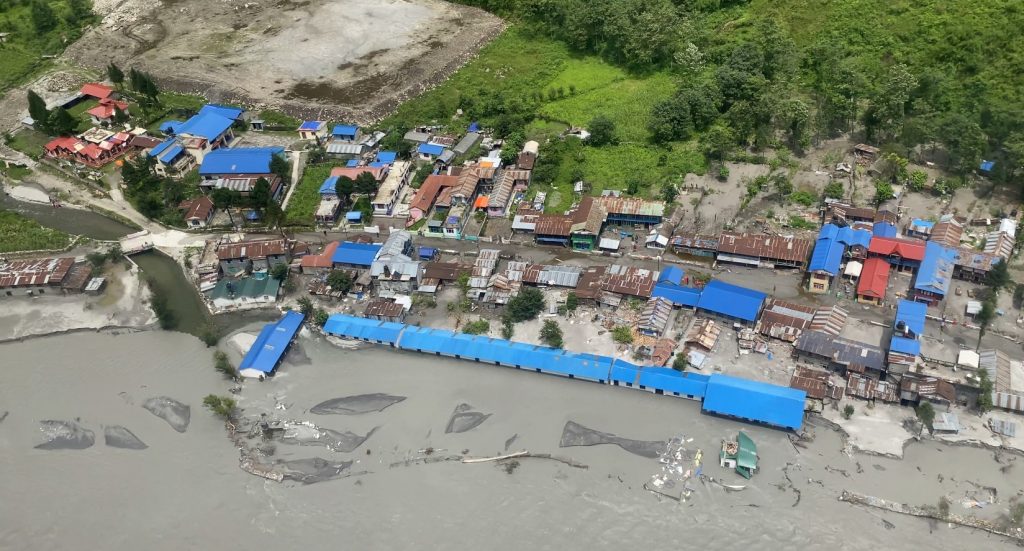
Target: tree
x=926 y=413
x=223 y=199
x=965 y=141
x=260 y=195
x=80 y=10
x=223 y=365
x=680 y=363
x=883 y=192
x=848 y=411
x=783 y=186
x=525 y=306
x=306 y=306
x=38 y=111
x=718 y=141
x=340 y=280
x=320 y=317
x=62 y=123
x=115 y=74
x=120 y=117
x=622 y=334
x=477 y=327
x=602 y=131
x=918 y=179
x=507 y=328
x=894 y=168
x=343 y=188
x=221 y=406
x=279 y=165
x=834 y=189
x=366 y=183
x=998 y=277
x=571 y=302
x=985 y=316
x=985 y=388
x=43 y=18
x=279 y=271
x=551 y=334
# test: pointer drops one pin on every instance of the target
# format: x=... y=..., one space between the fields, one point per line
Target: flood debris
x=305 y=433
x=464 y=418
x=356 y=405
x=65 y=435
x=678 y=466
x=928 y=513
x=511 y=440
x=117 y=436
x=174 y=412
x=575 y=434
x=313 y=469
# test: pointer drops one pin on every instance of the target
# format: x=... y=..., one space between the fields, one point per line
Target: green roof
x=747 y=457
x=246 y=287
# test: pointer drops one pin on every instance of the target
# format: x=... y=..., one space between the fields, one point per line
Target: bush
x=804 y=198
x=306 y=307
x=680 y=363
x=622 y=334
x=834 y=190
x=223 y=365
x=796 y=222
x=926 y=413
x=221 y=406
x=525 y=306
x=723 y=173
x=507 y=329
x=551 y=334
x=320 y=317
x=478 y=327
x=572 y=302
x=918 y=179
x=848 y=411
x=158 y=302
x=210 y=334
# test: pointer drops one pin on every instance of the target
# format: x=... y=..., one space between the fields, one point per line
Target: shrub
x=478 y=327
x=551 y=334
x=223 y=365
x=848 y=411
x=221 y=406
x=525 y=306
x=622 y=334
x=804 y=198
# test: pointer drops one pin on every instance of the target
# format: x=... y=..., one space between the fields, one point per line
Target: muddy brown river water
x=185 y=490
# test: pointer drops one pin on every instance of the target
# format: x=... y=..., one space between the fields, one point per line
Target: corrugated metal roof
x=683 y=296
x=828 y=251
x=344 y=148
x=910 y=249
x=632 y=206
x=731 y=300
x=358 y=254
x=764 y=246
x=341 y=325
x=272 y=343
x=936 y=271
x=874 y=278
x=249 y=160
x=760 y=402
x=671 y=274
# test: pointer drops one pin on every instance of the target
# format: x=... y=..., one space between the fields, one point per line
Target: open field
x=306 y=196
x=353 y=58
x=18 y=233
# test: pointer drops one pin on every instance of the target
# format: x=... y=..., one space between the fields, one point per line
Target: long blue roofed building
x=731 y=302
x=273 y=341
x=905 y=346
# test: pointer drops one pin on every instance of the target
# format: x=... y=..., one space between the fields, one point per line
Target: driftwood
x=495 y=458
x=904 y=509
x=527 y=455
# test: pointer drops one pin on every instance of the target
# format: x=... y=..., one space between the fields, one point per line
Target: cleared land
x=353 y=58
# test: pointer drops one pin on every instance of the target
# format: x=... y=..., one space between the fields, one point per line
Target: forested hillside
x=32 y=31
x=944 y=74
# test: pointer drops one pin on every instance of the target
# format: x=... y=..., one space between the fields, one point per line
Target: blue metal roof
x=386 y=157
x=171 y=153
x=731 y=300
x=987 y=166
x=359 y=254
x=851 y=237
x=762 y=402
x=912 y=314
x=311 y=125
x=430 y=149
x=904 y=345
x=377 y=164
x=161 y=147
x=828 y=250
x=936 y=271
x=922 y=223
x=233 y=113
x=167 y=127
x=242 y=160
x=341 y=325
x=672 y=274
x=354 y=215
x=209 y=125
x=672 y=381
x=682 y=296
x=352 y=163
x=327 y=188
x=427 y=252
x=884 y=229
x=345 y=130
x=272 y=343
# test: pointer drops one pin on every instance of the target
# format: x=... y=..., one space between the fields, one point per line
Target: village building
x=472 y=179
x=730 y=302
x=931 y=283
x=695 y=244
x=393 y=269
x=630 y=281
x=703 y=334
x=947 y=231
x=104 y=112
x=871 y=389
x=1000 y=244
x=972 y=265
x=884 y=229
x=252 y=256
x=846 y=214
x=905 y=255
x=313 y=130
x=543 y=275
x=345 y=133
x=818 y=386
x=915 y=388
x=208 y=130
x=787 y=320
x=654 y=317
x=908 y=326
x=873 y=282
x=631 y=211
x=270 y=346
x=427 y=194
x=98 y=91
x=762 y=250
x=1007 y=376
x=920 y=228
x=435 y=274
x=319 y=263
x=385 y=310
x=528 y=156
x=43 y=276
x=391 y=189
x=510 y=182
x=233 y=294
x=95 y=148
x=430 y=151
x=841 y=355
x=197 y=212
x=240 y=169
x=552 y=229
x=467 y=143
x=354 y=256
x=670 y=287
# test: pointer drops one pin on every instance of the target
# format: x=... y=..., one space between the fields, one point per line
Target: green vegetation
x=848 y=411
x=306 y=306
x=478 y=327
x=799 y=223
x=626 y=102
x=306 y=196
x=525 y=306
x=985 y=388
x=223 y=365
x=340 y=280
x=622 y=334
x=926 y=413
x=571 y=302
x=278 y=119
x=37 y=28
x=803 y=197
x=221 y=406
x=15 y=172
x=680 y=363
x=29 y=141
x=159 y=303
x=320 y=317
x=18 y=233
x=551 y=334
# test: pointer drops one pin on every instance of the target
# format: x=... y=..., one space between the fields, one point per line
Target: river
x=186 y=489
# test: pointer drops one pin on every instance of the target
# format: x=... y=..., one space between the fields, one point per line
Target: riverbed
x=185 y=489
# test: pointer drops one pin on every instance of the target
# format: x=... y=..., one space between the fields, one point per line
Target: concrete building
x=393 y=269
x=252 y=256
x=391 y=189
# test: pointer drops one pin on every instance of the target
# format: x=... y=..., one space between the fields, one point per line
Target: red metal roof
x=322 y=260
x=431 y=188
x=911 y=249
x=874 y=278
x=65 y=142
x=105 y=109
x=96 y=90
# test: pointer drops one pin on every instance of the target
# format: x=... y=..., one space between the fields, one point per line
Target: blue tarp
x=884 y=229
x=671 y=274
x=936 y=271
x=731 y=300
x=354 y=215
x=351 y=163
x=345 y=131
x=426 y=253
x=311 y=126
x=828 y=250
x=327 y=188
x=386 y=157
x=987 y=166
x=365 y=329
x=677 y=294
x=761 y=402
x=168 y=127
x=252 y=215
x=356 y=254
x=473 y=127
x=921 y=223
x=432 y=149
x=237 y=161
x=272 y=343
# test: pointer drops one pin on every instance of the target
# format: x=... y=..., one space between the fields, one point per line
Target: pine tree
x=115 y=74
x=120 y=117
x=43 y=18
x=38 y=111
x=62 y=123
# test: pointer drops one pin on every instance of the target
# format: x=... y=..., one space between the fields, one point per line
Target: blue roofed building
x=369 y=330
x=171 y=158
x=313 y=130
x=226 y=111
x=826 y=259
x=386 y=157
x=678 y=295
x=355 y=255
x=168 y=127
x=429 y=151
x=772 y=405
x=731 y=302
x=856 y=241
x=905 y=346
x=931 y=284
x=328 y=187
x=206 y=131
x=884 y=229
x=671 y=274
x=239 y=169
x=273 y=341
x=345 y=132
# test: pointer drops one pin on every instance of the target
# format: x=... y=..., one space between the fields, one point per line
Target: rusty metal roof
x=31 y=273
x=632 y=205
x=867 y=388
x=629 y=280
x=812 y=381
x=383 y=308
x=252 y=249
x=553 y=224
x=760 y=245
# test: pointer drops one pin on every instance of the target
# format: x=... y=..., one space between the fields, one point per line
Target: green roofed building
x=230 y=294
x=740 y=455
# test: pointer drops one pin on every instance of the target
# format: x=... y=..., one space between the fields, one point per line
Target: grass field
x=18 y=233
x=626 y=101
x=29 y=142
x=306 y=197
x=21 y=55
